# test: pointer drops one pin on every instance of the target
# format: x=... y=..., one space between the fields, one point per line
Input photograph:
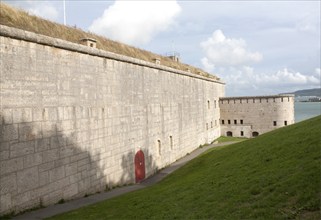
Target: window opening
x=159 y=147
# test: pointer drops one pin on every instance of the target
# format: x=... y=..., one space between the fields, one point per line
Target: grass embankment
x=229 y=139
x=274 y=176
x=12 y=17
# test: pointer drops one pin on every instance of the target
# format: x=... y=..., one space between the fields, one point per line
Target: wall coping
x=257 y=97
x=19 y=34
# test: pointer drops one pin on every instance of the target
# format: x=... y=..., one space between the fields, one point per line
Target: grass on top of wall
x=274 y=176
x=13 y=17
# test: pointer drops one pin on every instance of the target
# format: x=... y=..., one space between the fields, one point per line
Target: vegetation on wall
x=12 y=17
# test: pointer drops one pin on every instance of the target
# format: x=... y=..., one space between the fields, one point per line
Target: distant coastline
x=307 y=95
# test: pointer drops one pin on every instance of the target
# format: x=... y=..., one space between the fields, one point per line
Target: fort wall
x=74 y=117
x=252 y=116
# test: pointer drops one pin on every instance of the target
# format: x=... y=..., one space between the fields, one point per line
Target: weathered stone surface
x=22 y=148
x=74 y=118
x=9 y=132
x=21 y=115
x=8 y=184
x=251 y=116
x=27 y=179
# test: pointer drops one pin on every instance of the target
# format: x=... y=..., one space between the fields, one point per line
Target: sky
x=255 y=47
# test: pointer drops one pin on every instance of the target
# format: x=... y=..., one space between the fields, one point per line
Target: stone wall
x=73 y=118
x=251 y=116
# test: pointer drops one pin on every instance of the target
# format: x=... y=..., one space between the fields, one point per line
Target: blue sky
x=256 y=47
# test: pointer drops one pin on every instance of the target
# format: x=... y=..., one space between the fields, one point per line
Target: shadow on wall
x=137 y=166
x=42 y=165
x=46 y=161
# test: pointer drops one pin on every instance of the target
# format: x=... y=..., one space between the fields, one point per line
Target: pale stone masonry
x=255 y=115
x=76 y=120
x=73 y=118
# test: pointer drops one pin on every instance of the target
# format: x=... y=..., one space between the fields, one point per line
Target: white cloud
x=222 y=51
x=136 y=22
x=44 y=9
x=317 y=72
x=245 y=80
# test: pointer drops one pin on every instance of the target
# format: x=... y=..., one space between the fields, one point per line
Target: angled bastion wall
x=74 y=117
x=255 y=115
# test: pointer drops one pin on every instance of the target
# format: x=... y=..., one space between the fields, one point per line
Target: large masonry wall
x=252 y=116
x=73 y=118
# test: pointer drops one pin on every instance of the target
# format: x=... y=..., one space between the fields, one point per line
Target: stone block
x=60 y=113
x=42 y=144
x=7 y=115
x=62 y=162
x=69 y=113
x=5 y=204
x=66 y=151
x=50 y=155
x=22 y=148
x=4 y=155
x=65 y=125
x=48 y=129
x=46 y=166
x=21 y=115
x=75 y=178
x=70 y=191
x=11 y=165
x=8 y=184
x=37 y=114
x=22 y=198
x=32 y=160
x=71 y=169
x=43 y=178
x=56 y=173
x=9 y=132
x=50 y=114
x=30 y=131
x=27 y=179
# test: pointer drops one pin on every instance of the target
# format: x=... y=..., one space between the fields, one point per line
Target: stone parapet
x=62 y=44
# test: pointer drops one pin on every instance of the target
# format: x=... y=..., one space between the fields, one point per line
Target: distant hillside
x=274 y=176
x=307 y=92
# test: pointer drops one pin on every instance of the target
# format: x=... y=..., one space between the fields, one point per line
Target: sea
x=306 y=110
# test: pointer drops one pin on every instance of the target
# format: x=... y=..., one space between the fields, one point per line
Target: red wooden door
x=139 y=166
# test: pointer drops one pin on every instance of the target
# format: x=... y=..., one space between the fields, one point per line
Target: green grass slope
x=274 y=176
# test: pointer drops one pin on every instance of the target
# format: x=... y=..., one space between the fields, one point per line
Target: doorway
x=139 y=166
x=255 y=134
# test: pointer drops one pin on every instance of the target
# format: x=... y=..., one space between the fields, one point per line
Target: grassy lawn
x=228 y=139
x=274 y=176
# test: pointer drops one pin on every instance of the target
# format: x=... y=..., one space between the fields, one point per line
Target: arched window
x=229 y=134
